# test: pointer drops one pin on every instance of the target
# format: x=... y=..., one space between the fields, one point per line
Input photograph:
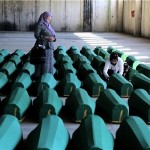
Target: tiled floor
x=138 y=47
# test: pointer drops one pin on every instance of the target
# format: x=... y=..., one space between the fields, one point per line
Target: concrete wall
x=129 y=16
x=107 y=15
x=22 y=15
x=145 y=22
x=132 y=13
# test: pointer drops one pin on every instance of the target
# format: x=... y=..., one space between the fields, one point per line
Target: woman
x=113 y=65
x=45 y=34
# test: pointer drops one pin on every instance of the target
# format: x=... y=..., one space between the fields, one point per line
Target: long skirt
x=47 y=67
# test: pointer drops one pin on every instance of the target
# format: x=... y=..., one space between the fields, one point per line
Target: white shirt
x=119 y=67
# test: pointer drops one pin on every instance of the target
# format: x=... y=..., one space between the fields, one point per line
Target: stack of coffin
x=144 y=69
x=23 y=80
x=94 y=85
x=8 y=68
x=122 y=86
x=79 y=104
x=74 y=53
x=80 y=61
x=66 y=68
x=47 y=103
x=132 y=62
x=111 y=106
x=17 y=103
x=50 y=134
x=131 y=72
x=133 y=134
x=88 y=53
x=11 y=134
x=139 y=104
x=64 y=59
x=60 y=52
x=68 y=84
x=97 y=50
x=141 y=81
x=28 y=68
x=3 y=80
x=92 y=134
x=84 y=70
x=97 y=63
x=47 y=81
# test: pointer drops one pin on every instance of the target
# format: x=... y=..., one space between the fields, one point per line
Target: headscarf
x=43 y=19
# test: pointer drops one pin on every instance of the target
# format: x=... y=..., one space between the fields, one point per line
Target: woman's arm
x=121 y=67
x=106 y=67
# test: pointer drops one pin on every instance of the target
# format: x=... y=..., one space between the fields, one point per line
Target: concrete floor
x=138 y=47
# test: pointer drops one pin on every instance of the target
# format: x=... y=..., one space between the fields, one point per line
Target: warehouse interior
x=89 y=25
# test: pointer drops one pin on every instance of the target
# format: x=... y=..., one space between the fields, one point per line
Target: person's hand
x=107 y=79
x=50 y=38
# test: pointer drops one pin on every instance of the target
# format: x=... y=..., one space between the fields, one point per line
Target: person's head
x=47 y=16
x=113 y=58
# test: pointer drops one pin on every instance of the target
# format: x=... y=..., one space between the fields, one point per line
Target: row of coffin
x=92 y=134
x=78 y=104
x=91 y=81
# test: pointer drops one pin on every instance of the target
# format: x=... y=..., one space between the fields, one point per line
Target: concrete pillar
x=132 y=17
x=145 y=22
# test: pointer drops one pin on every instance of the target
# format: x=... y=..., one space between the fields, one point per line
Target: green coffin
x=4 y=52
x=59 y=52
x=47 y=103
x=88 y=53
x=23 y=80
x=66 y=68
x=80 y=61
x=47 y=81
x=97 y=50
x=139 y=80
x=111 y=49
x=92 y=134
x=131 y=72
x=144 y=69
x=94 y=85
x=71 y=49
x=1 y=59
x=19 y=52
x=139 y=104
x=122 y=55
x=132 y=62
x=17 y=103
x=85 y=50
x=97 y=62
x=3 y=80
x=9 y=68
x=28 y=68
x=50 y=134
x=15 y=59
x=112 y=106
x=122 y=86
x=79 y=104
x=68 y=83
x=10 y=132
x=75 y=55
x=63 y=60
x=84 y=70
x=104 y=54
x=133 y=134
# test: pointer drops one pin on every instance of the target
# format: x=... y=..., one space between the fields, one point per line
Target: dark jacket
x=42 y=31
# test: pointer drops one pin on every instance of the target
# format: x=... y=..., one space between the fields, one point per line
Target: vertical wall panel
x=132 y=17
x=74 y=19
x=145 y=26
x=100 y=16
x=120 y=5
